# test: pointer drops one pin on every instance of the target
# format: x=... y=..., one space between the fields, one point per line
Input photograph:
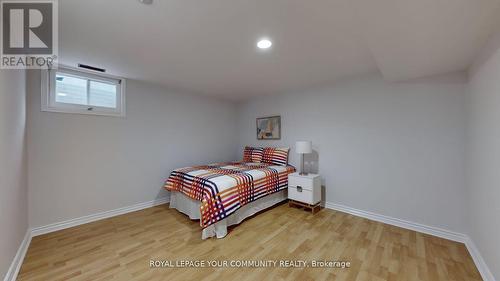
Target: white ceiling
x=208 y=47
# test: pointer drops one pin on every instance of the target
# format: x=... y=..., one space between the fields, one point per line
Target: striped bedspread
x=223 y=188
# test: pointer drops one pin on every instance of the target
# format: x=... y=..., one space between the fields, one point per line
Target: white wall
x=483 y=155
x=81 y=165
x=13 y=185
x=395 y=149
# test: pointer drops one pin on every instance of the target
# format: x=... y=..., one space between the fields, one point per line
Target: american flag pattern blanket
x=223 y=188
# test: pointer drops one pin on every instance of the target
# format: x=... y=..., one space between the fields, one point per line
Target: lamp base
x=302 y=172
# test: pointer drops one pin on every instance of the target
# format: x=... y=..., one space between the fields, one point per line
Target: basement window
x=69 y=90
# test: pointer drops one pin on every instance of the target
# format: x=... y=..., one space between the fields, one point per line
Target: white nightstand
x=305 y=191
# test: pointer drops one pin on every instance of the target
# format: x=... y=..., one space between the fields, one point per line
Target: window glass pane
x=102 y=94
x=71 y=90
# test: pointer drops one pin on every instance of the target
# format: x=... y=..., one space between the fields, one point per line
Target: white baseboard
x=435 y=231
x=15 y=266
x=479 y=261
x=95 y=217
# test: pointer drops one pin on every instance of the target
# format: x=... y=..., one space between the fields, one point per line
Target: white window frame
x=48 y=83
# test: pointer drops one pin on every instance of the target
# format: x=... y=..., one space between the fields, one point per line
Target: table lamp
x=303 y=147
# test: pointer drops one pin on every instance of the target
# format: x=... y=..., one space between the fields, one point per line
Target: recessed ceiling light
x=147 y=2
x=264 y=44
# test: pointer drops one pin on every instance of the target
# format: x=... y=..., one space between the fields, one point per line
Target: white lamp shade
x=303 y=147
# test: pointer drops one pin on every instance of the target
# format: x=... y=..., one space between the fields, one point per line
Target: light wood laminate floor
x=120 y=248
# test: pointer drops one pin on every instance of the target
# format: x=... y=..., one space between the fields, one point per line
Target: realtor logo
x=29 y=34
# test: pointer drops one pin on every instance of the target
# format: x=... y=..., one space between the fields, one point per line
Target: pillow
x=252 y=154
x=275 y=156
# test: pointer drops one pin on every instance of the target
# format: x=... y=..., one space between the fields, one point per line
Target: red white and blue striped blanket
x=223 y=188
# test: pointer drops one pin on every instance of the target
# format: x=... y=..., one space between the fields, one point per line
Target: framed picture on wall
x=269 y=128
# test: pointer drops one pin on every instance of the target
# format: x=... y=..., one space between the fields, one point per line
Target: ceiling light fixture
x=264 y=44
x=147 y=2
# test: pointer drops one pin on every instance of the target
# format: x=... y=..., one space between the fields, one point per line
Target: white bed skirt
x=191 y=208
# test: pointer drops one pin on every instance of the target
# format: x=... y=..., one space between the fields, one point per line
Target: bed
x=224 y=194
